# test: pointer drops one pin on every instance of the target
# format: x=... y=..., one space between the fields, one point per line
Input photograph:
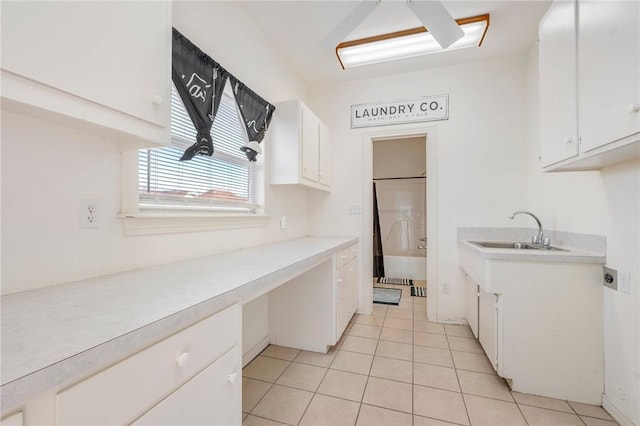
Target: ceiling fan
x=431 y=13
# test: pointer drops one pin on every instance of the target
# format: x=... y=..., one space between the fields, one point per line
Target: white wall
x=481 y=155
x=606 y=203
x=399 y=158
x=47 y=169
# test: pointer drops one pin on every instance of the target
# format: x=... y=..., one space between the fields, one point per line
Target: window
x=225 y=182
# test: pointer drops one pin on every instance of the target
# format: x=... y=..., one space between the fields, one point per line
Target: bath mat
x=387 y=296
x=399 y=281
x=419 y=291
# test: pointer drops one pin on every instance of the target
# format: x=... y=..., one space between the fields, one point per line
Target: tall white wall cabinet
x=98 y=65
x=300 y=147
x=558 y=83
x=589 y=59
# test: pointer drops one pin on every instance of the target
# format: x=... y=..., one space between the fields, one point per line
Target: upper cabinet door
x=116 y=54
x=608 y=71
x=558 y=83
x=310 y=144
x=325 y=161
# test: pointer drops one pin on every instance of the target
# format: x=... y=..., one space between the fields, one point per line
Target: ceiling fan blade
x=349 y=23
x=438 y=21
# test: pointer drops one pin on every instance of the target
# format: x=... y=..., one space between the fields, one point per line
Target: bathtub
x=408 y=265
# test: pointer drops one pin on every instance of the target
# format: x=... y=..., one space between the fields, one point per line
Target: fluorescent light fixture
x=407 y=44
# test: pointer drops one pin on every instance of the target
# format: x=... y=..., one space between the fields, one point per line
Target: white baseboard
x=248 y=356
x=615 y=412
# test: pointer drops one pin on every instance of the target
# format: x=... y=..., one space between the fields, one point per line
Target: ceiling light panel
x=407 y=44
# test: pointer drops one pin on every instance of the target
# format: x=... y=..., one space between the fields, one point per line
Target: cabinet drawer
x=213 y=397
x=342 y=258
x=353 y=251
x=122 y=392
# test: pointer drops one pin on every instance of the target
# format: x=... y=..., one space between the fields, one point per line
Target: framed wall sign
x=428 y=108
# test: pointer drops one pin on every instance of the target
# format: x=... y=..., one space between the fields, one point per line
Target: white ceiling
x=299 y=27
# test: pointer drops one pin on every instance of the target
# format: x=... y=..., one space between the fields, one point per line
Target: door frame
x=406 y=131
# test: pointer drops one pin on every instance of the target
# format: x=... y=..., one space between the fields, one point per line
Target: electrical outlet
x=445 y=288
x=89 y=214
x=624 y=282
x=610 y=278
x=283 y=222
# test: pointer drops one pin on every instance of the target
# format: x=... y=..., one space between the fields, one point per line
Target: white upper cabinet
x=324 y=162
x=105 y=64
x=609 y=71
x=310 y=144
x=558 y=83
x=589 y=66
x=300 y=147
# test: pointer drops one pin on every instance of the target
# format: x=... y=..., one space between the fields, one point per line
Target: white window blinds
x=226 y=181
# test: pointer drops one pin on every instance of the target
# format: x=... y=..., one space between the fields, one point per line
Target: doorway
x=402 y=164
x=399 y=210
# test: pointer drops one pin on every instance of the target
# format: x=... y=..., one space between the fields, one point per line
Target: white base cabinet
x=311 y=311
x=191 y=378
x=196 y=402
x=540 y=323
x=488 y=326
x=347 y=287
x=471 y=304
x=300 y=147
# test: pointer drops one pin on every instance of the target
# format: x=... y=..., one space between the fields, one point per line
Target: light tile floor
x=395 y=368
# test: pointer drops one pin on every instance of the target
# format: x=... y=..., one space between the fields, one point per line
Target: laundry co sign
x=429 y=108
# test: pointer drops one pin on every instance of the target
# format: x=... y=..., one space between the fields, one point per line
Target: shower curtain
x=378 y=259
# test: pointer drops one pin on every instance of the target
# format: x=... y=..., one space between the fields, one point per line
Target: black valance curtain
x=256 y=114
x=200 y=82
x=378 y=256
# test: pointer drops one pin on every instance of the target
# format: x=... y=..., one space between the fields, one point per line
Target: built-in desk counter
x=56 y=335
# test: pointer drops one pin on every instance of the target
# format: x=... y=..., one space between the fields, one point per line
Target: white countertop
x=51 y=335
x=534 y=255
x=580 y=248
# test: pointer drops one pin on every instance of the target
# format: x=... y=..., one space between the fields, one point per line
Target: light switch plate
x=625 y=282
x=355 y=208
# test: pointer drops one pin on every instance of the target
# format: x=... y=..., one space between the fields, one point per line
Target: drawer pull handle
x=232 y=377
x=182 y=359
x=631 y=108
x=157 y=99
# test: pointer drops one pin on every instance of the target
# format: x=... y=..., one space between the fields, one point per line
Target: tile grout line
x=388 y=315
x=366 y=384
x=413 y=372
x=520 y=410
x=349 y=325
x=464 y=402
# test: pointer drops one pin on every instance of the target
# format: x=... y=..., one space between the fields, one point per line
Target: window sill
x=153 y=223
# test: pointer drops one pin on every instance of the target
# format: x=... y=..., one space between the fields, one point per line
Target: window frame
x=146 y=219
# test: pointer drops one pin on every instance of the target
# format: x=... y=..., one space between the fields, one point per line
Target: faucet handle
x=546 y=241
x=534 y=239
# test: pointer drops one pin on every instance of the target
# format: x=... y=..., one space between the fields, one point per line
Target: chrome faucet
x=536 y=239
